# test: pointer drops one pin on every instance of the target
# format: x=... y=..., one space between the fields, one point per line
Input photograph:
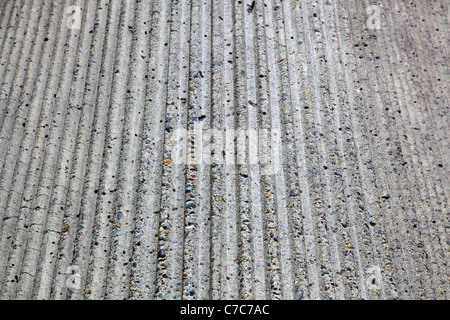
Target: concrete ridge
x=224 y=149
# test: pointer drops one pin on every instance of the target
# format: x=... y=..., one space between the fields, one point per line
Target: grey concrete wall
x=219 y=149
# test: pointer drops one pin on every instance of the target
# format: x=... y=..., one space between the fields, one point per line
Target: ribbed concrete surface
x=219 y=149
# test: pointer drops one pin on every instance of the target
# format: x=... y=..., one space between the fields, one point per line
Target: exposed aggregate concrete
x=268 y=149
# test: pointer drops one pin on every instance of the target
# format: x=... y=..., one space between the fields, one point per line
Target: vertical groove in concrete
x=13 y=211
x=256 y=247
x=406 y=96
x=303 y=219
x=224 y=150
x=14 y=77
x=281 y=221
x=87 y=224
x=130 y=154
x=108 y=187
x=384 y=181
x=72 y=214
x=12 y=150
x=230 y=269
x=10 y=43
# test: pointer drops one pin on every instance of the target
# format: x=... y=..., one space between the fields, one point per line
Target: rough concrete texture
x=219 y=149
